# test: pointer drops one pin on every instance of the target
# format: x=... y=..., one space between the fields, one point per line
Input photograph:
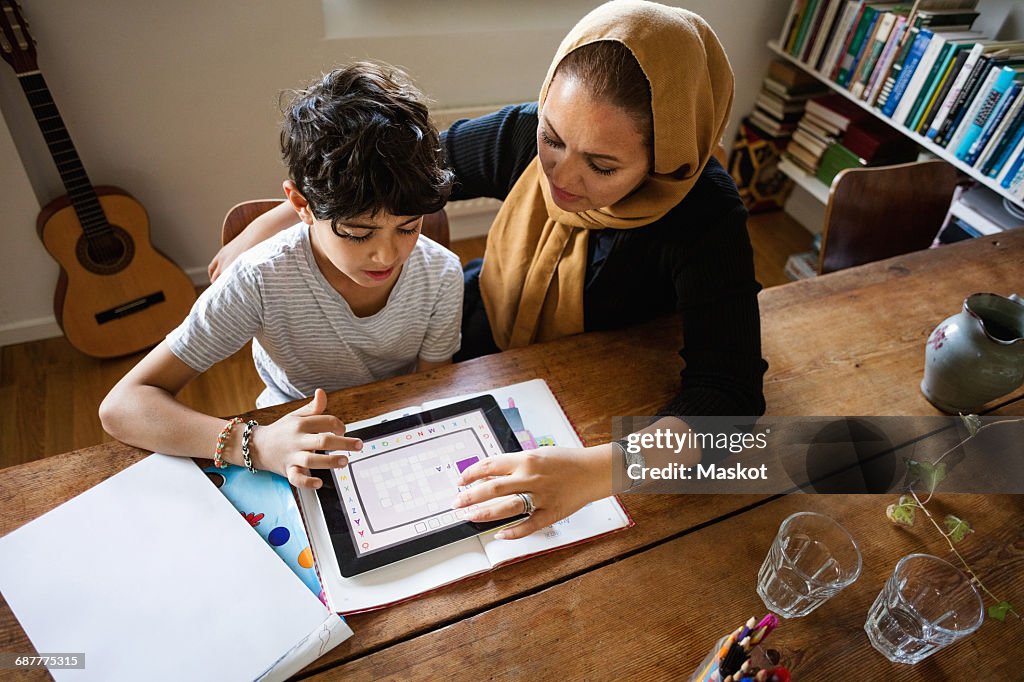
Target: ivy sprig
x=929 y=475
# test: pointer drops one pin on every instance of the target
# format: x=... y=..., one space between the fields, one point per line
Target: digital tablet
x=393 y=500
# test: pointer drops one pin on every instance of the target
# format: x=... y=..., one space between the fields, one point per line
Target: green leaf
x=1000 y=610
x=902 y=513
x=929 y=474
x=957 y=527
x=972 y=422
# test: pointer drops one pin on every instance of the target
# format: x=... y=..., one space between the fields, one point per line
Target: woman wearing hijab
x=614 y=212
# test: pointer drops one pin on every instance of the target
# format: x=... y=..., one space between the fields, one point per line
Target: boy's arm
x=142 y=410
x=259 y=230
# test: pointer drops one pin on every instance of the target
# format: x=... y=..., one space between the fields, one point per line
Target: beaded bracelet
x=222 y=439
x=249 y=426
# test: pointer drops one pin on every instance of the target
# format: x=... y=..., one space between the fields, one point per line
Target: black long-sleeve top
x=696 y=260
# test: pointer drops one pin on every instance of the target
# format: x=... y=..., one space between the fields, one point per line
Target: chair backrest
x=885 y=211
x=435 y=225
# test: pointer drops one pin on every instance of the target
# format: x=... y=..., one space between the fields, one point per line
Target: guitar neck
x=62 y=149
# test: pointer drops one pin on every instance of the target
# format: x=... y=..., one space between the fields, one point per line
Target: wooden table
x=650 y=601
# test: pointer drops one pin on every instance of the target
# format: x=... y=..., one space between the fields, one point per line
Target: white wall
x=176 y=102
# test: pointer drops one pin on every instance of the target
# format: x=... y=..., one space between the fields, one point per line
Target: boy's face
x=368 y=250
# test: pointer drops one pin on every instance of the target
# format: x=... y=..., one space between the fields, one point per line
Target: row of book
x=923 y=67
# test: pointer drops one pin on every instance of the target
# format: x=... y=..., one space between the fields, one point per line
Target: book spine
x=963 y=100
x=995 y=122
x=941 y=97
x=847 y=39
x=1008 y=165
x=864 y=51
x=1013 y=175
x=867 y=21
x=805 y=21
x=1007 y=142
x=788 y=24
x=860 y=79
x=825 y=36
x=954 y=91
x=926 y=84
x=917 y=80
x=932 y=90
x=843 y=28
x=908 y=41
x=907 y=72
x=815 y=29
x=974 y=122
x=885 y=61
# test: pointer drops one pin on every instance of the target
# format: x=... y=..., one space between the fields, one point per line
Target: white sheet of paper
x=153 y=575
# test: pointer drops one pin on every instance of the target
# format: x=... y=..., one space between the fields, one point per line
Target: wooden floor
x=50 y=393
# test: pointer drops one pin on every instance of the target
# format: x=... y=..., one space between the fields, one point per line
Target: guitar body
x=117 y=294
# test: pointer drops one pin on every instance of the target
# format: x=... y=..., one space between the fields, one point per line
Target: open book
x=534 y=414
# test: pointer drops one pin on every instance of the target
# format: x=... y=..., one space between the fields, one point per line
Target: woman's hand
x=559 y=480
x=260 y=229
x=289 y=446
x=227 y=255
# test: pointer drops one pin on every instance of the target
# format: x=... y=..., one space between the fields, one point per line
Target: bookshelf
x=920 y=140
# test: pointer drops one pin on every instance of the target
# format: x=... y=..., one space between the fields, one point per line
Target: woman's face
x=591 y=152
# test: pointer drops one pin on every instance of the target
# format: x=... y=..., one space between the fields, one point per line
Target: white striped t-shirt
x=305 y=335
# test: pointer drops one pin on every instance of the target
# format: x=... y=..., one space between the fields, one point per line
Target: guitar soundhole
x=107 y=253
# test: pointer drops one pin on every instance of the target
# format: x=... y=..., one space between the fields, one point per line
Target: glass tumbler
x=926 y=604
x=811 y=559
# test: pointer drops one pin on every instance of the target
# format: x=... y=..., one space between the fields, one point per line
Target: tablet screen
x=393 y=500
x=402 y=485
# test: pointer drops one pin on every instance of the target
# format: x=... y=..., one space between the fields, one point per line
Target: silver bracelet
x=630 y=459
x=246 y=457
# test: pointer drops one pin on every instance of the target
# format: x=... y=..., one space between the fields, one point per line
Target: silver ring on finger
x=528 y=506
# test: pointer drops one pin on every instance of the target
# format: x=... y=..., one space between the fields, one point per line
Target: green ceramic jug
x=977 y=355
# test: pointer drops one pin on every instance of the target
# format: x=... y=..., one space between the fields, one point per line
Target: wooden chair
x=876 y=213
x=435 y=225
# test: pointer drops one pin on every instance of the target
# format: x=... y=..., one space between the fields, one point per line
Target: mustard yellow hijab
x=536 y=256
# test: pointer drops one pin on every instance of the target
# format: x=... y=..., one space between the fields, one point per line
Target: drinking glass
x=926 y=604
x=811 y=559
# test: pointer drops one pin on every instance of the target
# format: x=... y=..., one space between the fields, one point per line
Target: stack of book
x=781 y=101
x=763 y=135
x=823 y=124
x=920 y=65
x=835 y=134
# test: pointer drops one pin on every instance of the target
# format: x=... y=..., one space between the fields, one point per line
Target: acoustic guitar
x=116 y=294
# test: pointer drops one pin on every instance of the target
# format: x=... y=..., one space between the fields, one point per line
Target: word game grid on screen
x=402 y=485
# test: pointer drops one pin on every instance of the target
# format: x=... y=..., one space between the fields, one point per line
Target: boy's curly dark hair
x=359 y=141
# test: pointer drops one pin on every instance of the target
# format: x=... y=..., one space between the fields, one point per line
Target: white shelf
x=815 y=187
x=921 y=140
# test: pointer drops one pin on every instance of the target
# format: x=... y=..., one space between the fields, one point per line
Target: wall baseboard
x=29 y=330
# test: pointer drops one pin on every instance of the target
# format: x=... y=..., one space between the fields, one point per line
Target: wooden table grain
x=649 y=601
x=654 y=615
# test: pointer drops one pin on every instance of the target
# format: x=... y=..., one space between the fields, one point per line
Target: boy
x=350 y=295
